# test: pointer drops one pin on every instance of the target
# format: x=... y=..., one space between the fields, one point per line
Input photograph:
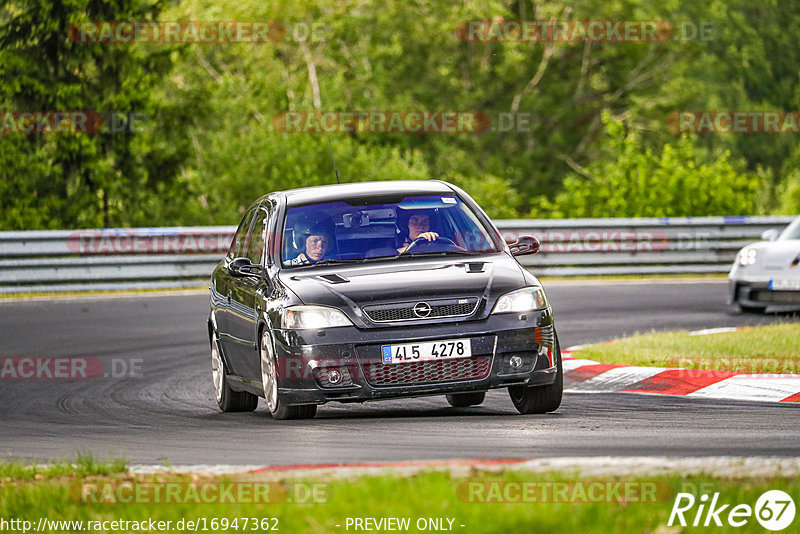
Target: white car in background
x=767 y=273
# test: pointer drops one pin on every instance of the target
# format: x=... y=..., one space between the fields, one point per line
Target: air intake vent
x=410 y=311
x=333 y=278
x=457 y=369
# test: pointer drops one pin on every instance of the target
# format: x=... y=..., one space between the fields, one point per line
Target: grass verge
x=557 y=502
x=759 y=349
x=84 y=465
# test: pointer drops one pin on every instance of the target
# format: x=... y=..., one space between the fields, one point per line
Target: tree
x=632 y=181
x=83 y=179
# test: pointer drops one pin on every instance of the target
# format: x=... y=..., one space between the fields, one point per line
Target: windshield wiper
x=331 y=261
x=434 y=253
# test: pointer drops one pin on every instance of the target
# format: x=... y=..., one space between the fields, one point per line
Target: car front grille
x=431 y=372
x=777 y=297
x=405 y=311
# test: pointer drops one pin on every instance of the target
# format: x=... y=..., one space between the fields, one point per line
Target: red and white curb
x=589 y=376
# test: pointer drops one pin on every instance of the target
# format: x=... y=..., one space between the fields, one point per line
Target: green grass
x=425 y=495
x=84 y=465
x=760 y=349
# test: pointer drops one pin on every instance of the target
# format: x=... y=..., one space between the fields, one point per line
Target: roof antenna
x=334 y=161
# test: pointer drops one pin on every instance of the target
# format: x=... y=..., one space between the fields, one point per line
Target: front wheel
x=228 y=400
x=540 y=399
x=269 y=380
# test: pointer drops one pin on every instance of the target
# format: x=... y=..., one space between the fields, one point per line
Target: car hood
x=351 y=287
x=778 y=255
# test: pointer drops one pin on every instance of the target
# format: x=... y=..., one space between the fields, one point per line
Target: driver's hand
x=430 y=236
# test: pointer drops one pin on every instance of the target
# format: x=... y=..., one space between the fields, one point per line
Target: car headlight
x=747 y=256
x=313 y=317
x=522 y=300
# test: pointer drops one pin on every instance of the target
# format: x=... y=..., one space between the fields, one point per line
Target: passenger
x=416 y=225
x=314 y=239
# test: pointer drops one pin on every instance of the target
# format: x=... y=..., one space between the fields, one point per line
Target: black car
x=378 y=290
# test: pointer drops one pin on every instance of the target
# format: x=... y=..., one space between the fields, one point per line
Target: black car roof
x=329 y=193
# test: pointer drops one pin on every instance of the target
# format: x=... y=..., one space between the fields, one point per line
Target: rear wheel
x=462 y=400
x=540 y=399
x=228 y=400
x=269 y=380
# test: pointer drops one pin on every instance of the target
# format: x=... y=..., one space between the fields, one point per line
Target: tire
x=269 y=384
x=228 y=400
x=752 y=309
x=462 y=400
x=540 y=399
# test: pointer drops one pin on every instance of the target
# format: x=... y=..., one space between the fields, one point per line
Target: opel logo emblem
x=422 y=309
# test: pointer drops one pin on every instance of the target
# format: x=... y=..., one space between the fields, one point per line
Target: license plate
x=784 y=284
x=426 y=351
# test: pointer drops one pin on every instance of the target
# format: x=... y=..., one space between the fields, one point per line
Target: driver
x=419 y=225
x=314 y=239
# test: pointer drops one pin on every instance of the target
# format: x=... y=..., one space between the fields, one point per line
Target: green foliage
x=84 y=465
x=790 y=195
x=210 y=147
x=635 y=182
x=495 y=195
x=77 y=179
x=573 y=500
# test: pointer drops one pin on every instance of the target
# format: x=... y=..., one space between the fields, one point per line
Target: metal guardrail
x=145 y=258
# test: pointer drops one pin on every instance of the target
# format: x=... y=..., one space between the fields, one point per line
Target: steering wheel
x=421 y=241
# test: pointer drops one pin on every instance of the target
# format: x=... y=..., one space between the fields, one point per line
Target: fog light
x=334 y=376
x=515 y=362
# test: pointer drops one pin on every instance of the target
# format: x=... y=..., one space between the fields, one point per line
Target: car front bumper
x=759 y=293
x=307 y=358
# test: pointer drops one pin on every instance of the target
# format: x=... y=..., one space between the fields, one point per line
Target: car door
x=223 y=286
x=245 y=302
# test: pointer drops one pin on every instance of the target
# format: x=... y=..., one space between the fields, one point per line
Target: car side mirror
x=243 y=267
x=526 y=244
x=770 y=235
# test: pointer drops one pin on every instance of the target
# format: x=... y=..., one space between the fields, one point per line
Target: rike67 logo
x=774 y=510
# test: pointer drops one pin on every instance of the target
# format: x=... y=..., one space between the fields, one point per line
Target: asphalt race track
x=168 y=412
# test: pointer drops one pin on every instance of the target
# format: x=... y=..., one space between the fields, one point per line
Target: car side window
x=239 y=245
x=256 y=249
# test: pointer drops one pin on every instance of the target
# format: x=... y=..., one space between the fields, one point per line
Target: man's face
x=316 y=246
x=418 y=224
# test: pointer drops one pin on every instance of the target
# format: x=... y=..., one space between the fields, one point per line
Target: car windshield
x=792 y=231
x=354 y=230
